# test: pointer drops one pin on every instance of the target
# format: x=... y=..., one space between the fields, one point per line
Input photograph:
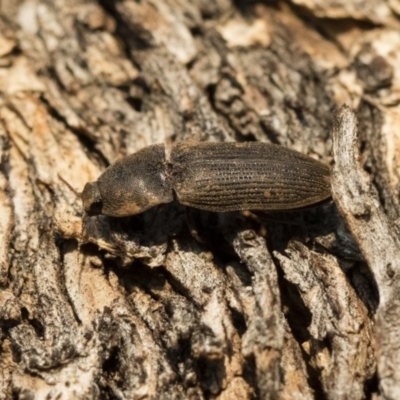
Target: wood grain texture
x=378 y=240
x=296 y=306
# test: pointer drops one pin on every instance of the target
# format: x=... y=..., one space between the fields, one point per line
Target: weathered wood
x=283 y=306
x=378 y=239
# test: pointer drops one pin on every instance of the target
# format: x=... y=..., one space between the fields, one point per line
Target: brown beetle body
x=210 y=176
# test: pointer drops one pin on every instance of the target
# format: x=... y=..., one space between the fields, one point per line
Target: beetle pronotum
x=209 y=176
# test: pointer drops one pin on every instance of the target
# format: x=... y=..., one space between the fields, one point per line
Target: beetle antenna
x=77 y=194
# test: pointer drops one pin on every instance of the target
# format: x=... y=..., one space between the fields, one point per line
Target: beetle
x=209 y=176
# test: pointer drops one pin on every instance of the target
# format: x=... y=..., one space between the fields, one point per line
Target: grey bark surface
x=296 y=305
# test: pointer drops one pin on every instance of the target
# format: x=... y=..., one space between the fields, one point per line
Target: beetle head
x=130 y=186
x=91 y=199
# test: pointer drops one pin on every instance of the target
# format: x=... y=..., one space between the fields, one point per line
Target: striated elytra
x=209 y=176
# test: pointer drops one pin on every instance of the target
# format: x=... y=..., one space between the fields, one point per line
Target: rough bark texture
x=287 y=306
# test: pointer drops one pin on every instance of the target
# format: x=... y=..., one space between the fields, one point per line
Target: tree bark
x=299 y=305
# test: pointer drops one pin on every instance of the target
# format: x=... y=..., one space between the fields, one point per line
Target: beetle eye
x=91 y=199
x=95 y=208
